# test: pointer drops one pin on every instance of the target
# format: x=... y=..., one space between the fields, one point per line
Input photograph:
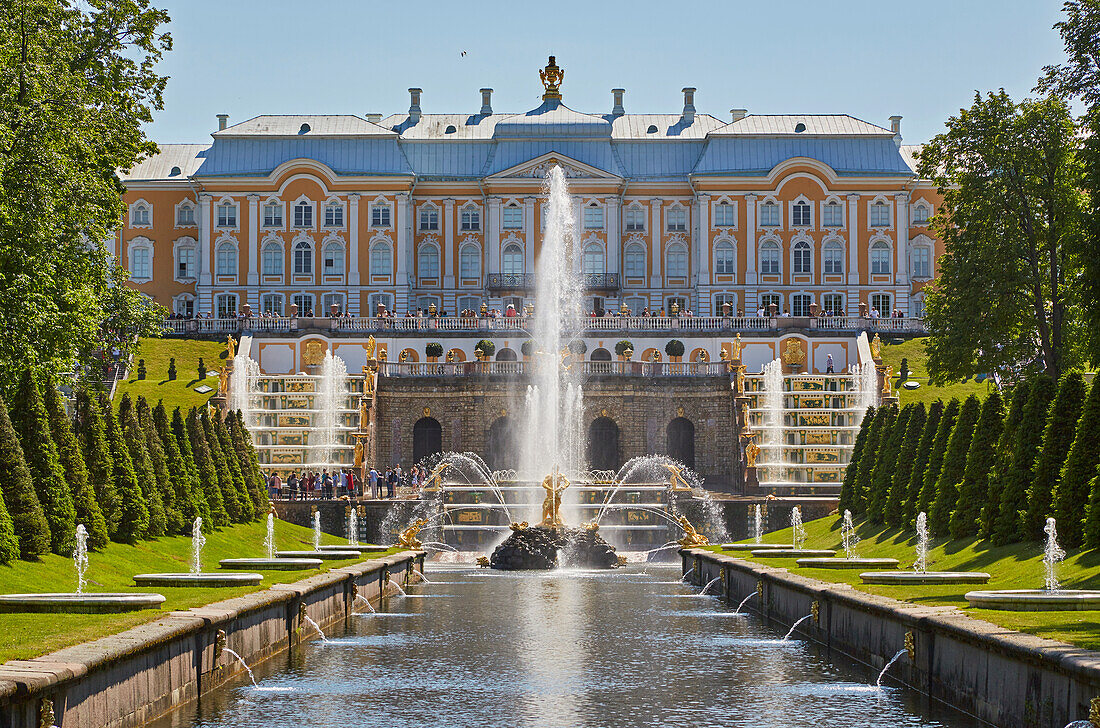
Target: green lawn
x=30 y=635
x=181 y=392
x=913 y=351
x=1011 y=567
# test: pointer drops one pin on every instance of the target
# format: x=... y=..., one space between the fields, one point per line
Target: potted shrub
x=577 y=348
x=625 y=349
x=485 y=349
x=674 y=349
x=527 y=348
x=433 y=350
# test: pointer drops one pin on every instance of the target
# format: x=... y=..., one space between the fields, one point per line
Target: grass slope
x=1012 y=567
x=181 y=392
x=110 y=570
x=913 y=350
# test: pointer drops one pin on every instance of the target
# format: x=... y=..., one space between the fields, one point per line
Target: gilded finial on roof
x=551 y=80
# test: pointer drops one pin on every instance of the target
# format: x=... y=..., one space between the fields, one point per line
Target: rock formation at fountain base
x=539 y=547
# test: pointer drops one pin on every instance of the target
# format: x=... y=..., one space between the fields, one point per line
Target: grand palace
x=310 y=215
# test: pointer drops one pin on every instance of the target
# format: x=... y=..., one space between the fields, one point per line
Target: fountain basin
x=333 y=554
x=270 y=564
x=790 y=553
x=80 y=603
x=368 y=548
x=1036 y=600
x=839 y=562
x=753 y=546
x=211 y=579
x=927 y=577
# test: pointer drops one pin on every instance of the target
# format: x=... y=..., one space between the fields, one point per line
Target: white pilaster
x=614 y=239
x=901 y=275
x=492 y=239
x=702 y=242
x=204 y=302
x=404 y=251
x=450 y=255
x=853 y=255
x=254 y=251
x=353 y=240
x=529 y=231
x=750 y=240
x=657 y=251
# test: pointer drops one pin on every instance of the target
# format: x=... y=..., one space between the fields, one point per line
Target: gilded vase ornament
x=408 y=539
x=876 y=348
x=792 y=353
x=692 y=538
x=450 y=357
x=752 y=451
x=552 y=76
x=676 y=479
x=403 y=356
x=554 y=485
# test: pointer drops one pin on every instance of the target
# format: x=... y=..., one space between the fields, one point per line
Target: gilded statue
x=566 y=356
x=483 y=562
x=676 y=479
x=313 y=353
x=752 y=451
x=364 y=403
x=876 y=348
x=592 y=526
x=451 y=356
x=408 y=539
x=518 y=526
x=551 y=76
x=231 y=346
x=554 y=485
x=692 y=538
x=223 y=381
x=358 y=453
x=403 y=356
x=792 y=353
x=736 y=348
x=435 y=479
x=886 y=374
x=370 y=347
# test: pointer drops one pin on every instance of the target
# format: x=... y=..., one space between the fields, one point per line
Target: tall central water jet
x=553 y=430
x=329 y=399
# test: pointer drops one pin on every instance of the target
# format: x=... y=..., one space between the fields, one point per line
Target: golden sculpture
x=408 y=539
x=887 y=372
x=358 y=453
x=724 y=354
x=676 y=479
x=876 y=348
x=592 y=526
x=1094 y=712
x=435 y=480
x=364 y=402
x=483 y=562
x=231 y=346
x=518 y=526
x=554 y=485
x=792 y=353
x=566 y=356
x=752 y=451
x=223 y=381
x=704 y=357
x=403 y=356
x=692 y=538
x=451 y=356
x=621 y=559
x=552 y=76
x=313 y=353
x=736 y=348
x=370 y=347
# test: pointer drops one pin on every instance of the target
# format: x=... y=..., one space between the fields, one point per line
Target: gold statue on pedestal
x=231 y=347
x=676 y=480
x=736 y=348
x=692 y=538
x=408 y=539
x=370 y=347
x=887 y=372
x=435 y=480
x=876 y=348
x=554 y=485
x=551 y=76
x=752 y=451
x=358 y=453
x=223 y=381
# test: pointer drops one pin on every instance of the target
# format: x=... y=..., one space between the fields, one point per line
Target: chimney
x=414 y=104
x=617 y=97
x=738 y=114
x=486 y=101
x=223 y=121
x=373 y=117
x=895 y=126
x=689 y=105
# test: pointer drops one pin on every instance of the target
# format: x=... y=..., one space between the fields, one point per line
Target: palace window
x=880 y=258
x=513 y=217
x=227 y=215
x=227 y=305
x=333 y=299
x=800 y=214
x=834 y=215
x=226 y=262
x=922 y=262
x=593 y=218
x=720 y=300
x=635 y=219
x=769 y=299
x=802 y=257
x=469 y=303
x=273 y=259
x=303 y=258
x=380 y=216
x=184 y=305
x=677 y=261
x=272 y=303
x=920 y=215
x=916 y=305
x=725 y=259
x=880 y=215
x=185 y=215
x=185 y=262
x=471 y=219
x=381 y=260
x=724 y=215
x=334 y=215
x=833 y=303
x=769 y=214
x=141 y=263
x=769 y=258
x=429 y=261
x=800 y=304
x=881 y=303
x=593 y=260
x=304 y=302
x=677 y=220
x=512 y=263
x=469 y=262
x=333 y=258
x=833 y=255
x=635 y=261
x=303 y=215
x=273 y=215
x=139 y=215
x=429 y=218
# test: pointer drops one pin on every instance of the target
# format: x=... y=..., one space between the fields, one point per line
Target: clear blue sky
x=868 y=58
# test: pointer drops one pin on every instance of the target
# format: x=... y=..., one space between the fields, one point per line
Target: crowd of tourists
x=380 y=484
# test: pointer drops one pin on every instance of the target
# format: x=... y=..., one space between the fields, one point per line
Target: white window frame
x=307 y=304
x=381 y=215
x=837 y=310
x=883 y=311
x=143 y=246
x=676 y=219
x=220 y=305
x=914 y=251
x=774 y=210
x=635 y=260
x=428 y=218
x=278 y=220
x=593 y=254
x=804 y=298
x=303 y=214
x=226 y=251
x=269 y=246
x=804 y=249
x=831 y=246
x=227 y=214
x=141 y=214
x=512 y=260
x=296 y=248
x=682 y=261
x=635 y=218
x=469 y=254
x=377 y=248
x=799 y=206
x=333 y=250
x=879 y=204
x=727 y=267
x=830 y=205
x=921 y=207
x=334 y=214
x=515 y=212
x=278 y=299
x=727 y=208
x=593 y=217
x=181 y=244
x=875 y=262
x=330 y=298
x=183 y=298
x=428 y=261
x=769 y=247
x=190 y=207
x=470 y=218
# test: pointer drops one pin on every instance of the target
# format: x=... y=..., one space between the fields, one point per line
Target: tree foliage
x=1061 y=424
x=936 y=455
x=1071 y=495
x=885 y=462
x=920 y=462
x=894 y=512
x=974 y=489
x=1002 y=459
x=849 y=494
x=144 y=474
x=69 y=453
x=954 y=466
x=97 y=458
x=207 y=473
x=1020 y=472
x=29 y=522
x=133 y=512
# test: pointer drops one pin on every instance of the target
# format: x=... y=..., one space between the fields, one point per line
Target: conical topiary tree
x=9 y=544
x=97 y=457
x=173 y=520
x=936 y=456
x=144 y=474
x=1071 y=496
x=920 y=462
x=862 y=483
x=69 y=453
x=954 y=466
x=224 y=479
x=250 y=465
x=1002 y=459
x=894 y=513
x=133 y=522
x=887 y=460
x=1008 y=528
x=178 y=472
x=1058 y=437
x=28 y=521
x=32 y=425
x=974 y=488
x=208 y=475
x=849 y=488
x=182 y=432
x=233 y=465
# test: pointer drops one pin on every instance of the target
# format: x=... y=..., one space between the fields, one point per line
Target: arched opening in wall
x=601 y=354
x=602 y=449
x=506 y=354
x=681 y=441
x=502 y=452
x=427 y=438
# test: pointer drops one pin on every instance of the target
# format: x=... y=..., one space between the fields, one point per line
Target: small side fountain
x=80 y=601
x=849 y=539
x=798 y=542
x=270 y=562
x=757 y=535
x=197 y=577
x=920 y=573
x=337 y=553
x=1052 y=598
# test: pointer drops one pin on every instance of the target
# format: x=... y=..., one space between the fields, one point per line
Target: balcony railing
x=509 y=282
x=282 y=324
x=858 y=323
x=601 y=281
x=588 y=368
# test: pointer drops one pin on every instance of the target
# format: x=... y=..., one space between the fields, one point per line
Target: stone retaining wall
x=128 y=679
x=1003 y=677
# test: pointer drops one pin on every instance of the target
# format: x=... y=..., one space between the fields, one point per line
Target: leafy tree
x=1092 y=515
x=179 y=474
x=1057 y=438
x=69 y=453
x=894 y=513
x=32 y=425
x=223 y=479
x=974 y=488
x=674 y=347
x=936 y=456
x=882 y=475
x=1008 y=527
x=144 y=473
x=133 y=522
x=233 y=466
x=1071 y=495
x=1002 y=459
x=183 y=438
x=250 y=465
x=207 y=473
x=920 y=462
x=31 y=529
x=77 y=86
x=173 y=519
x=97 y=457
x=849 y=493
x=1012 y=209
x=862 y=487
x=9 y=544
x=954 y=466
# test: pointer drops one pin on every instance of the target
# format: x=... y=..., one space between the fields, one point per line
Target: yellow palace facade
x=315 y=214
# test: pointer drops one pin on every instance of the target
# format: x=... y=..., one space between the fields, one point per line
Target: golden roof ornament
x=551 y=81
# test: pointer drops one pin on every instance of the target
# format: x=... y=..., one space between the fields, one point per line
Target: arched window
x=185 y=215
x=800 y=304
x=834 y=215
x=802 y=257
x=833 y=254
x=922 y=262
x=303 y=258
x=635 y=260
x=381 y=260
x=469 y=262
x=593 y=260
x=334 y=259
x=680 y=436
x=429 y=261
x=429 y=218
x=184 y=305
x=226 y=263
x=769 y=214
x=507 y=354
x=512 y=263
x=677 y=259
x=600 y=354
x=273 y=214
x=603 y=444
x=800 y=214
x=769 y=257
x=471 y=218
x=880 y=257
x=273 y=259
x=334 y=214
x=141 y=262
x=725 y=259
x=139 y=215
x=880 y=215
x=303 y=215
x=723 y=214
x=920 y=215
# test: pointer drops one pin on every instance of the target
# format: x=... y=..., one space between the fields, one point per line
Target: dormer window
x=513 y=217
x=723 y=215
x=380 y=216
x=273 y=215
x=800 y=214
x=652 y=129
x=429 y=218
x=799 y=128
x=769 y=214
x=450 y=129
x=304 y=129
x=175 y=172
x=471 y=219
x=227 y=215
x=303 y=215
x=677 y=220
x=334 y=215
x=139 y=215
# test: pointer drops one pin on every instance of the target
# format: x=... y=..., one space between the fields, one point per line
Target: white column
x=578 y=232
x=614 y=239
x=401 y=279
x=353 y=241
x=253 y=247
x=901 y=275
x=853 y=255
x=656 y=248
x=492 y=239
x=204 y=302
x=702 y=205
x=750 y=239
x=529 y=231
x=450 y=255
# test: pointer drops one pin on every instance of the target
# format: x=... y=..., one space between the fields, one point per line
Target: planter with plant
x=625 y=349
x=433 y=350
x=674 y=349
x=485 y=349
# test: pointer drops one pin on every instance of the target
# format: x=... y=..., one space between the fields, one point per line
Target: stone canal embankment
x=130 y=678
x=1003 y=677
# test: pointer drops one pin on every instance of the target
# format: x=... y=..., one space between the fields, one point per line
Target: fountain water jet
x=848 y=535
x=920 y=573
x=243 y=664
x=787 y=636
x=399 y=589
x=269 y=539
x=330 y=398
x=758 y=524
x=743 y=602
x=710 y=583
x=798 y=531
x=196 y=577
x=895 y=658
x=315 y=626
x=80 y=557
x=317 y=530
x=352 y=526
x=197 y=542
x=366 y=601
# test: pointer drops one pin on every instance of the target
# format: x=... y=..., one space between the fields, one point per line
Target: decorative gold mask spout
x=692 y=538
x=408 y=539
x=552 y=77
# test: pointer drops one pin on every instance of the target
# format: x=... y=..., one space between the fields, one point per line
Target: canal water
x=626 y=648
